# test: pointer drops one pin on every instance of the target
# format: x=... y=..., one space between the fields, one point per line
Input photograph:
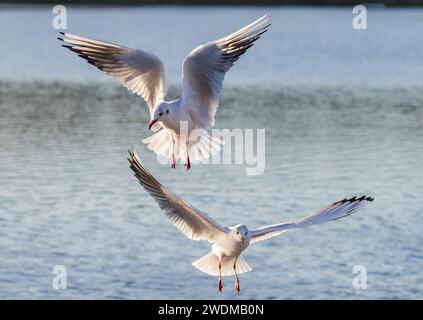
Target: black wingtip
x=354 y=199
x=131 y=150
x=365 y=198
x=132 y=153
x=132 y=158
x=61 y=39
x=62 y=33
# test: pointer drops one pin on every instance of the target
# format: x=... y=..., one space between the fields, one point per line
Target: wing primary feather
x=335 y=211
x=205 y=67
x=192 y=222
x=139 y=71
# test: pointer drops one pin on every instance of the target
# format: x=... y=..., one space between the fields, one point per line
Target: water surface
x=341 y=119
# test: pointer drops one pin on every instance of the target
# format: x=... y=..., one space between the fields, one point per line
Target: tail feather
x=210 y=264
x=161 y=143
x=203 y=147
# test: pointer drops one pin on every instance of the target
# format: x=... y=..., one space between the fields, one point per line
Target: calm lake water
x=343 y=114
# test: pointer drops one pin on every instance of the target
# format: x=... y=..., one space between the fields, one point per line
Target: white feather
x=210 y=264
x=205 y=67
x=335 y=211
x=141 y=72
x=192 y=222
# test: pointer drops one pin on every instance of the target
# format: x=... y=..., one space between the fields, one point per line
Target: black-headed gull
x=228 y=243
x=203 y=71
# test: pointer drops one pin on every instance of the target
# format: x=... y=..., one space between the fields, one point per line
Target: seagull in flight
x=228 y=243
x=181 y=125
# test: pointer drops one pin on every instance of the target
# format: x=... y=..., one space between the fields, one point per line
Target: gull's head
x=160 y=113
x=241 y=234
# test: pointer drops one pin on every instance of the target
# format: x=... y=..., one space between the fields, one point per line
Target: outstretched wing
x=335 y=211
x=196 y=225
x=204 y=68
x=139 y=71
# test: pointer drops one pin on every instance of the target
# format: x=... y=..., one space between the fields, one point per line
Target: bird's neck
x=176 y=115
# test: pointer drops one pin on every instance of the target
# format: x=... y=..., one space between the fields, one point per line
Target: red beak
x=152 y=122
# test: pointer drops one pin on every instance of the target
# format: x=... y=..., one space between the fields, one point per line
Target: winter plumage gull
x=203 y=71
x=228 y=243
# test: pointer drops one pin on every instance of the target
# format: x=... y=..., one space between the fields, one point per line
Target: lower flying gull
x=225 y=258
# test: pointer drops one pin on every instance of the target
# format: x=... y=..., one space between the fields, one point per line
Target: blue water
x=343 y=116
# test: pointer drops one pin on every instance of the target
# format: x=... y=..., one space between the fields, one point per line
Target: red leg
x=219 y=284
x=188 y=164
x=173 y=162
x=237 y=287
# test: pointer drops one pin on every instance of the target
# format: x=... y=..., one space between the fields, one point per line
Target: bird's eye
x=167 y=111
x=237 y=232
x=160 y=114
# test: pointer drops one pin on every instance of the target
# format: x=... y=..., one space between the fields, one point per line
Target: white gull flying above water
x=228 y=243
x=203 y=71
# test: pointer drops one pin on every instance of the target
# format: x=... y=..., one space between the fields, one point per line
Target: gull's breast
x=228 y=247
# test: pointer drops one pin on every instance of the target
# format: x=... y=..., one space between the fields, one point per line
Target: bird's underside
x=185 y=148
x=197 y=225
